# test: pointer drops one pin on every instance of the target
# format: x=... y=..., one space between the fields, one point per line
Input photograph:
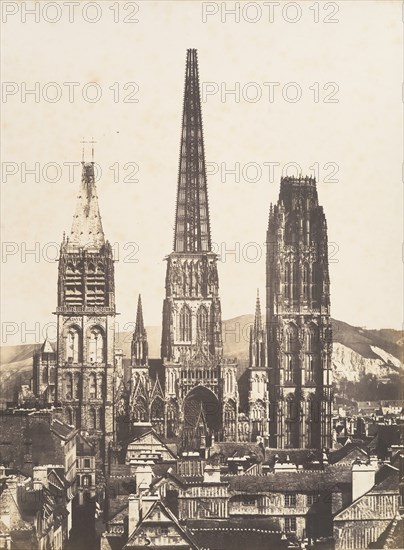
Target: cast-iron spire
x=192 y=227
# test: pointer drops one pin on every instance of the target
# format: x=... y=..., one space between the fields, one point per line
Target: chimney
x=133 y=513
x=373 y=460
x=40 y=477
x=211 y=474
x=143 y=477
x=363 y=478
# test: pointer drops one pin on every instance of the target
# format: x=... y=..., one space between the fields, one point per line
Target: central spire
x=192 y=226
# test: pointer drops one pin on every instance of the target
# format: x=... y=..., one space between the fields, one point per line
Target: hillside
x=357 y=352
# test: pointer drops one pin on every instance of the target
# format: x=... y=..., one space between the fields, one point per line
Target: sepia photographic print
x=201 y=275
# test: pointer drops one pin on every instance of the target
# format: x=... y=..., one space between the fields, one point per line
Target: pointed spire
x=87 y=227
x=258 y=317
x=192 y=226
x=139 y=340
x=139 y=327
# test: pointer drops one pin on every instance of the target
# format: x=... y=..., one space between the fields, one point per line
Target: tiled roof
x=246 y=533
x=227 y=450
x=298 y=481
x=296 y=456
x=83 y=446
x=343 y=452
x=62 y=429
x=121 y=486
x=387 y=480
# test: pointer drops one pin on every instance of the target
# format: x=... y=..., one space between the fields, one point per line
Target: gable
x=355 y=453
x=370 y=507
x=150 y=442
x=158 y=514
x=159 y=528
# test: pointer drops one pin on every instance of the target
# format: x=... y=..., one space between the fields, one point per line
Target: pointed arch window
x=229 y=382
x=73 y=345
x=76 y=385
x=92 y=386
x=295 y=281
x=292 y=343
x=202 y=324
x=100 y=385
x=311 y=345
x=140 y=410
x=68 y=385
x=185 y=324
x=92 y=419
x=96 y=346
x=313 y=416
x=100 y=415
x=288 y=281
x=157 y=415
x=52 y=375
x=290 y=420
x=306 y=281
x=172 y=417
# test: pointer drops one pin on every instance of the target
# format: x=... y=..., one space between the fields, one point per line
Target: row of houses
x=46 y=467
x=342 y=499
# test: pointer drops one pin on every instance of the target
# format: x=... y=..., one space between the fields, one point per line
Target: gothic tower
x=258 y=398
x=196 y=377
x=146 y=403
x=298 y=319
x=85 y=320
x=44 y=373
x=140 y=350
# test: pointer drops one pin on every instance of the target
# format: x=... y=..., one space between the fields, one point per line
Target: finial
x=82 y=151
x=92 y=149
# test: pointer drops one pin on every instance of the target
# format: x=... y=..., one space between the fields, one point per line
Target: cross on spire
x=92 y=141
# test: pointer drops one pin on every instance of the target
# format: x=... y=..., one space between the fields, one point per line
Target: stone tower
x=44 y=373
x=86 y=376
x=258 y=398
x=298 y=319
x=198 y=383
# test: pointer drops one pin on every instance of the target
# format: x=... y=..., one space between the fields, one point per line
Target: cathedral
x=192 y=396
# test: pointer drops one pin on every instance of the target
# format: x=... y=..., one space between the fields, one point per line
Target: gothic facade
x=193 y=397
x=200 y=386
x=298 y=319
x=146 y=397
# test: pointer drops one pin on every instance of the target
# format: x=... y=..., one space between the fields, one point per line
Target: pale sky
x=358 y=59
